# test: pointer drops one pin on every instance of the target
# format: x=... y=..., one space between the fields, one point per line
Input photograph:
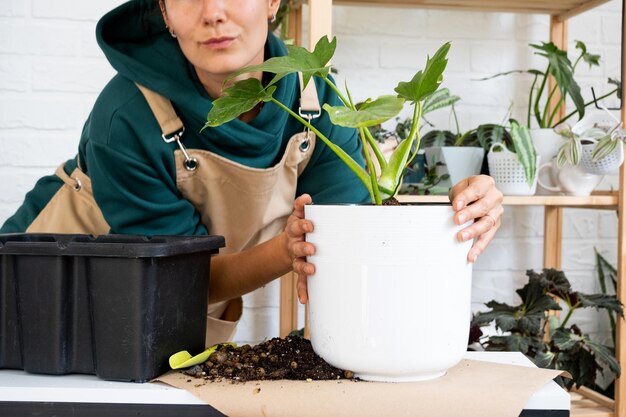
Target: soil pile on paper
x=289 y=358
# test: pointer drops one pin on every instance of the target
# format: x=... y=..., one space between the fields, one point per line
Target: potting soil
x=290 y=358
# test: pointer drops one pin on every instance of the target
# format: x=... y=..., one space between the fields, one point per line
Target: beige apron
x=247 y=206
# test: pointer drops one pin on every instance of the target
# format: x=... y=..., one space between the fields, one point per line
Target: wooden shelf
x=584 y=404
x=560 y=9
x=598 y=201
x=588 y=403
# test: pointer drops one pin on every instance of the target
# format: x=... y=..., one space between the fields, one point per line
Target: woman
x=149 y=176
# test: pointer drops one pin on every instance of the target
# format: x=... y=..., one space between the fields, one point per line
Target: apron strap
x=163 y=111
x=170 y=122
x=309 y=102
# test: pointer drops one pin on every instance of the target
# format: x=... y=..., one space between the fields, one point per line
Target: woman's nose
x=213 y=11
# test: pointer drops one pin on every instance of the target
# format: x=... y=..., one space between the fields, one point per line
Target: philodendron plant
x=244 y=95
x=562 y=70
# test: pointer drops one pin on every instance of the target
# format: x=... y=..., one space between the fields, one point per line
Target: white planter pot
x=508 y=173
x=390 y=299
x=611 y=162
x=606 y=165
x=460 y=162
x=547 y=144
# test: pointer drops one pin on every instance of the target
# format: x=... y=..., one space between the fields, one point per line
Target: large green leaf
x=589 y=58
x=604 y=147
x=604 y=355
x=547 y=359
x=556 y=282
x=569 y=152
x=486 y=135
x=513 y=343
x=426 y=82
x=438 y=100
x=437 y=138
x=238 y=99
x=298 y=59
x=369 y=113
x=506 y=317
x=563 y=72
x=601 y=301
x=525 y=150
x=392 y=173
x=564 y=339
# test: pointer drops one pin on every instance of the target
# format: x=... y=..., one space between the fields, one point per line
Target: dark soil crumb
x=289 y=358
x=391 y=202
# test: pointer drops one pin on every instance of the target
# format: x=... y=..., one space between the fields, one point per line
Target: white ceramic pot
x=390 y=299
x=570 y=179
x=460 y=162
x=547 y=144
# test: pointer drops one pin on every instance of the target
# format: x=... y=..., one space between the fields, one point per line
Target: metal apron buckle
x=190 y=163
x=304 y=145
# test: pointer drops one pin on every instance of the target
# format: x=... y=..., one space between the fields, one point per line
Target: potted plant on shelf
x=548 y=341
x=366 y=291
x=514 y=169
x=542 y=115
x=596 y=141
x=593 y=147
x=461 y=154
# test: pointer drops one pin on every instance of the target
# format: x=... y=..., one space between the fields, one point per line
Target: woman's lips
x=218 y=43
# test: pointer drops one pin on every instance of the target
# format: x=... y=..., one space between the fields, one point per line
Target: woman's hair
x=150 y=11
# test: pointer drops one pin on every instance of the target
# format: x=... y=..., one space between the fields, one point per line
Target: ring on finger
x=493 y=221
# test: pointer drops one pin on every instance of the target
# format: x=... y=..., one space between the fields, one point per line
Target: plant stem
x=554 y=112
x=569 y=314
x=576 y=63
x=372 y=143
x=530 y=100
x=585 y=105
x=539 y=93
x=545 y=110
x=370 y=139
x=417 y=114
x=456 y=121
x=343 y=99
x=370 y=165
x=347 y=159
x=602 y=279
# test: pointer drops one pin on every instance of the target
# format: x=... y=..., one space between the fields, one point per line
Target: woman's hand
x=296 y=228
x=477 y=198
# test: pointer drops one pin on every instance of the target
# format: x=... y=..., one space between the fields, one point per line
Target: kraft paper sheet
x=472 y=388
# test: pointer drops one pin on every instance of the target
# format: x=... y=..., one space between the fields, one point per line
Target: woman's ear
x=273 y=9
x=164 y=13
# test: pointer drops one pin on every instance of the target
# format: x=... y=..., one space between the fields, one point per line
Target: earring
x=172 y=33
x=273 y=19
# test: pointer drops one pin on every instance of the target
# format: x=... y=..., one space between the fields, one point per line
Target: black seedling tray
x=116 y=306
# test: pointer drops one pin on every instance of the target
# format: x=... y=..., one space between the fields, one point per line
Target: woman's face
x=220 y=36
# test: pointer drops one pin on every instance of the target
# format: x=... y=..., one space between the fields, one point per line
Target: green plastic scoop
x=183 y=359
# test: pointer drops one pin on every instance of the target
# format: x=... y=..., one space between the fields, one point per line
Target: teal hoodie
x=132 y=169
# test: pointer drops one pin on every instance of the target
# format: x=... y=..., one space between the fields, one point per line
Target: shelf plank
x=584 y=406
x=599 y=201
x=562 y=9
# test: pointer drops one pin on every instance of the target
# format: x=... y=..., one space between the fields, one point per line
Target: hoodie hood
x=137 y=44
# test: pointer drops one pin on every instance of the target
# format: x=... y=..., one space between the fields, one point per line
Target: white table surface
x=17 y=386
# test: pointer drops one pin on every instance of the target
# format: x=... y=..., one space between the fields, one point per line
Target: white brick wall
x=51 y=71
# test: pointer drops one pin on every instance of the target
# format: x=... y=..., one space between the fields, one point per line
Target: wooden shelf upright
x=585 y=403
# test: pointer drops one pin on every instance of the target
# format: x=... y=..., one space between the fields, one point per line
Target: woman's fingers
x=303 y=295
x=477 y=198
x=481 y=243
